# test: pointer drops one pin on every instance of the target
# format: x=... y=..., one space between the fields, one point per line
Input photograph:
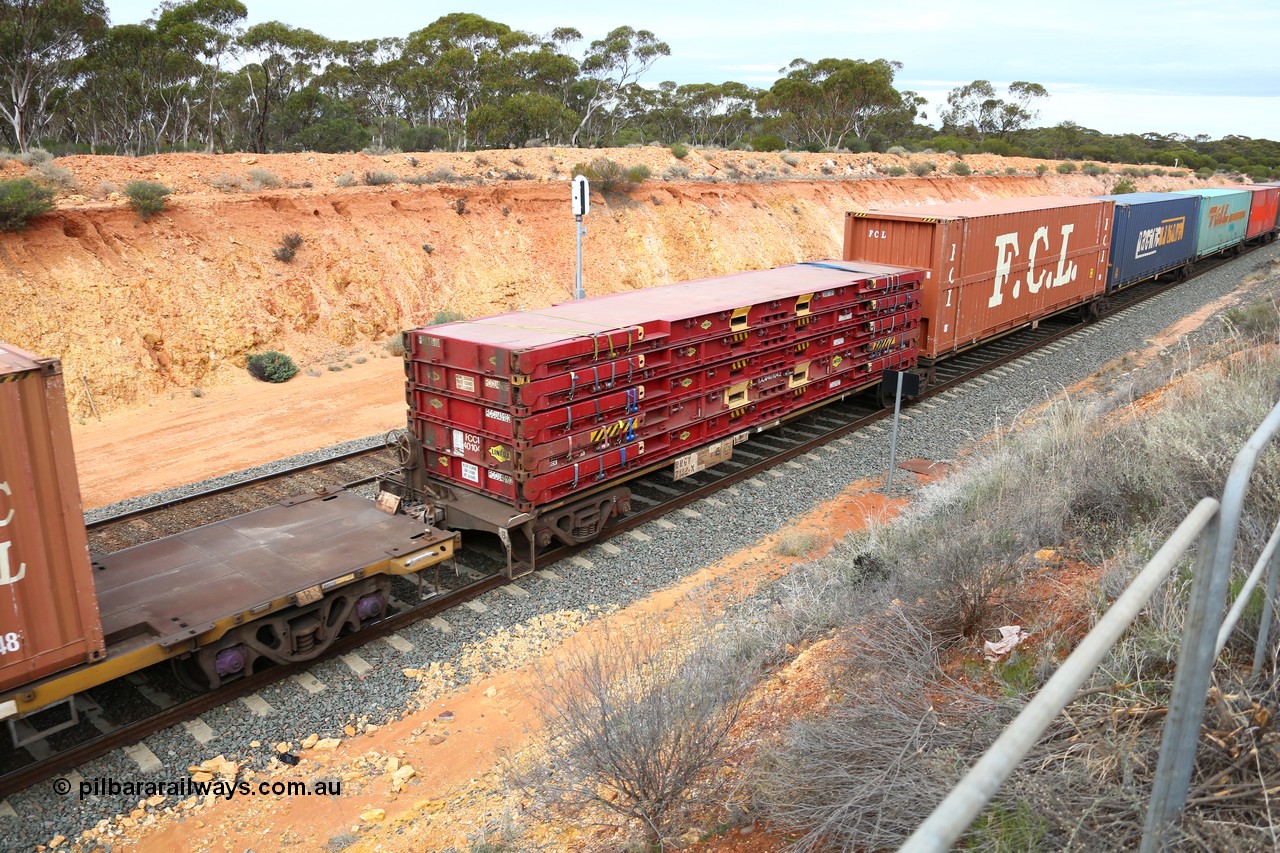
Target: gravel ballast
x=750 y=511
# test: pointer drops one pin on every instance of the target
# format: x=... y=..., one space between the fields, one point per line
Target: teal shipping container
x=1224 y=219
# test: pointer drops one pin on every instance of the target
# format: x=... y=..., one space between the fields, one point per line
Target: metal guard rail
x=1217 y=525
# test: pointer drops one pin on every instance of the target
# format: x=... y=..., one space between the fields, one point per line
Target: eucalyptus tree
x=287 y=60
x=975 y=110
x=208 y=29
x=612 y=64
x=818 y=103
x=40 y=41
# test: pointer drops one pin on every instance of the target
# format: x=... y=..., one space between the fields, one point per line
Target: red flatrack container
x=576 y=335
x=806 y=333
x=780 y=375
x=992 y=266
x=1264 y=207
x=48 y=605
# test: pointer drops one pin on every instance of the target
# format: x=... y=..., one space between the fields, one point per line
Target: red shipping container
x=48 y=604
x=1264 y=207
x=992 y=266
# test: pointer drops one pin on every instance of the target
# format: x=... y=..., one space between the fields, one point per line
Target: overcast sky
x=1175 y=66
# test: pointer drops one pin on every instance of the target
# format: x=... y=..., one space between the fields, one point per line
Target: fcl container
x=992 y=266
x=1224 y=219
x=48 y=605
x=1264 y=205
x=1153 y=233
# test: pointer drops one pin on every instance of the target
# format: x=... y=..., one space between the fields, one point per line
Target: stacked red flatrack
x=533 y=406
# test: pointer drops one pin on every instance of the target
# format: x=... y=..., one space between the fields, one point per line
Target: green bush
x=608 y=176
x=1204 y=174
x=1124 y=186
x=446 y=315
x=379 y=178
x=791 y=160
x=922 y=168
x=1065 y=168
x=147 y=198
x=679 y=151
x=1010 y=170
x=962 y=169
x=264 y=179
x=271 y=366
x=21 y=201
x=897 y=151
x=1094 y=169
x=1041 y=168
x=639 y=174
x=768 y=142
x=896 y=171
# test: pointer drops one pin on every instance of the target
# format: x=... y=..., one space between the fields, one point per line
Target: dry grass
x=1106 y=479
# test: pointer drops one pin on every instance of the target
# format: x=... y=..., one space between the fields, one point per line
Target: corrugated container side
x=1153 y=233
x=1224 y=219
x=1264 y=204
x=48 y=605
x=993 y=265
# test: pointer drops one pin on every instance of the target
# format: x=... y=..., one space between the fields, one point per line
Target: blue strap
x=827 y=266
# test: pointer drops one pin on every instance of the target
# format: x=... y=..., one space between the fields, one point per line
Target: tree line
x=195 y=78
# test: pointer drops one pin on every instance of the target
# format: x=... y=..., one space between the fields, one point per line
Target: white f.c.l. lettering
x=1006 y=251
x=1066 y=271
x=7 y=575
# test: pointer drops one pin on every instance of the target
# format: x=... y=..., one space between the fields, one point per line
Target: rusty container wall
x=1264 y=205
x=48 y=605
x=992 y=265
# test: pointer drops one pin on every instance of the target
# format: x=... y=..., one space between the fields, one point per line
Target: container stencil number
x=10 y=643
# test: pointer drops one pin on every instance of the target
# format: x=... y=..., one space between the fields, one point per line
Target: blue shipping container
x=1224 y=219
x=1153 y=233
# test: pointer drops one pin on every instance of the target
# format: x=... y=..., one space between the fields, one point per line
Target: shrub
x=395 y=345
x=1177 y=173
x=229 y=183
x=1041 y=168
x=897 y=151
x=293 y=241
x=962 y=169
x=271 y=366
x=679 y=151
x=1094 y=169
x=57 y=176
x=284 y=253
x=379 y=178
x=261 y=179
x=21 y=201
x=1010 y=170
x=34 y=157
x=896 y=171
x=1123 y=186
x=608 y=176
x=147 y=198
x=639 y=174
x=346 y=180
x=1204 y=174
x=633 y=722
x=791 y=160
x=446 y=315
x=1066 y=168
x=922 y=168
x=676 y=172
x=768 y=142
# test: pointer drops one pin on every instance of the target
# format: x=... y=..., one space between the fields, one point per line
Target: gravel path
x=936 y=430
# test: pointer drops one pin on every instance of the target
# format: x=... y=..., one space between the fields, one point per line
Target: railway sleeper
x=300 y=633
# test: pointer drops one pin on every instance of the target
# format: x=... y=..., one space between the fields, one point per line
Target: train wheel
x=190 y=675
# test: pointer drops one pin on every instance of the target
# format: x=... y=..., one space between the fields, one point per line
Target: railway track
x=478 y=568
x=120 y=530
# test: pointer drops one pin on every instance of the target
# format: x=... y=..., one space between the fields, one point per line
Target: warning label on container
x=700 y=460
x=464 y=383
x=470 y=472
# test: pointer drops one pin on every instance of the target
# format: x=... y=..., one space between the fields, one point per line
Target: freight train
x=530 y=426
